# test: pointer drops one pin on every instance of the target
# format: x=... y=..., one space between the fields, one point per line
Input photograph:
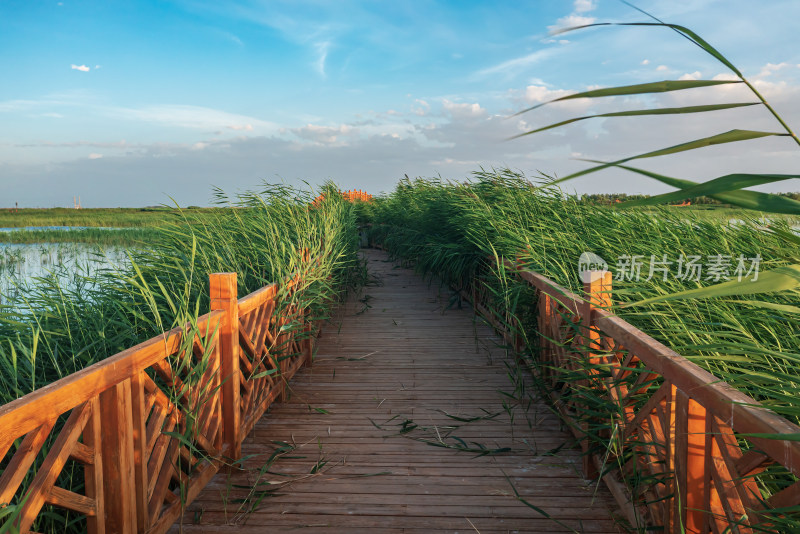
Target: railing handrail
x=24 y=414
x=745 y=414
x=128 y=424
x=691 y=448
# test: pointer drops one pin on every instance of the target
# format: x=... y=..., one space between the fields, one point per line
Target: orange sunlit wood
x=149 y=427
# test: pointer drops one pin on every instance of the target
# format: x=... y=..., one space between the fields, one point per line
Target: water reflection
x=37 y=228
x=20 y=263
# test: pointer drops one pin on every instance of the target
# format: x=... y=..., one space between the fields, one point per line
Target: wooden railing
x=699 y=448
x=680 y=449
x=151 y=425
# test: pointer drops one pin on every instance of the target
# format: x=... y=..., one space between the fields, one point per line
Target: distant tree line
x=614 y=198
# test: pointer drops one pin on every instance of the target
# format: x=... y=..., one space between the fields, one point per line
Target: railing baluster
x=597 y=290
x=116 y=446
x=139 y=418
x=223 y=290
x=694 y=480
x=93 y=473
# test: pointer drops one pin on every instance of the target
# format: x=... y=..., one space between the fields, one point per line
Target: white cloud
x=576 y=18
x=192 y=117
x=95 y=155
x=570 y=21
x=645 y=62
x=770 y=68
x=463 y=110
x=72 y=144
x=535 y=94
x=326 y=135
x=696 y=75
x=322 y=53
x=373 y=154
x=662 y=68
x=233 y=38
x=423 y=108
x=538 y=94
x=82 y=68
x=513 y=66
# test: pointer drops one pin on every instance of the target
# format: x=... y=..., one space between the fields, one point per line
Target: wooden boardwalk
x=370 y=438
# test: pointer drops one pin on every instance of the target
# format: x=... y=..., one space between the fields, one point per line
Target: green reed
x=52 y=328
x=123 y=237
x=455 y=230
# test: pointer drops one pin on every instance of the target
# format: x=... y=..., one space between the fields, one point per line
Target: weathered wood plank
x=378 y=372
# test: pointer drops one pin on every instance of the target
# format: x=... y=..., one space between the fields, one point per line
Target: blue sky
x=130 y=103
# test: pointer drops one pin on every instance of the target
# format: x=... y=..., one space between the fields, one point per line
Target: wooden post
x=692 y=436
x=597 y=287
x=308 y=342
x=597 y=290
x=116 y=449
x=546 y=351
x=223 y=291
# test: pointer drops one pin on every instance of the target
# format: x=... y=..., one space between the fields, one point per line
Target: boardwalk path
x=381 y=388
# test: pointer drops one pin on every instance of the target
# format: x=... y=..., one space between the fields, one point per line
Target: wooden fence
x=699 y=448
x=151 y=425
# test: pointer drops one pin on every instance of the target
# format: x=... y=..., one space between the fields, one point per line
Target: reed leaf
x=746 y=199
x=643 y=112
x=731 y=136
x=786 y=278
x=682 y=30
x=725 y=183
x=664 y=86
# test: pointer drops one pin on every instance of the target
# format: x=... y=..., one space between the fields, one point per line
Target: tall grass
x=53 y=329
x=123 y=237
x=451 y=229
x=455 y=231
x=117 y=217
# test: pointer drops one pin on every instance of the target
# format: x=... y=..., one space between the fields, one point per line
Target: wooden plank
x=252 y=301
x=375 y=369
x=93 y=472
x=52 y=465
x=157 y=456
x=72 y=501
x=174 y=510
x=162 y=480
x=17 y=469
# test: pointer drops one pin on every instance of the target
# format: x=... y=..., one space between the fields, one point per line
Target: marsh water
x=68 y=263
x=33 y=228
